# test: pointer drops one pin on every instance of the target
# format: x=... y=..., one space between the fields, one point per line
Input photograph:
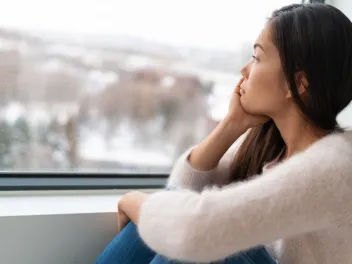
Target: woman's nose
x=245 y=71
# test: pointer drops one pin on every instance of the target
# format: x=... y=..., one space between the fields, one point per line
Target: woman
x=289 y=193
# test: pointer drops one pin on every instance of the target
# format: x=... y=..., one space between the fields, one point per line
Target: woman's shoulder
x=339 y=141
x=332 y=153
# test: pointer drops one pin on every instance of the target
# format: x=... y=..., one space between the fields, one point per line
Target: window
x=123 y=86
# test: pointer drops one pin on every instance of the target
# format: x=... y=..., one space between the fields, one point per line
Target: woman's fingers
x=238 y=86
x=240 y=82
x=122 y=221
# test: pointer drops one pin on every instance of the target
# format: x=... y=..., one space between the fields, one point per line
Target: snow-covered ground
x=94 y=149
x=93 y=144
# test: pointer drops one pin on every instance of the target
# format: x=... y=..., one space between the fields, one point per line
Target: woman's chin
x=244 y=103
x=249 y=108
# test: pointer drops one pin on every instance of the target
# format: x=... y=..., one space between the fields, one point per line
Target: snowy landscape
x=112 y=104
x=123 y=105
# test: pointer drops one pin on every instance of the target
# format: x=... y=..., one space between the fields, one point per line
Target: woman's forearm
x=207 y=155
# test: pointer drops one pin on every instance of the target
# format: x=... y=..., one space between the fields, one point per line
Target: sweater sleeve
x=308 y=192
x=183 y=175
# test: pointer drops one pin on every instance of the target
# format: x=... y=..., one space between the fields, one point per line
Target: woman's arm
x=206 y=164
x=308 y=192
x=209 y=162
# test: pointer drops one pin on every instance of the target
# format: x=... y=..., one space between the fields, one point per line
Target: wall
x=55 y=239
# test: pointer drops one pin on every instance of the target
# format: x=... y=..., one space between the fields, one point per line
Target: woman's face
x=264 y=89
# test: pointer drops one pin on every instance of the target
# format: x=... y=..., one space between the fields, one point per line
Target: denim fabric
x=257 y=255
x=128 y=248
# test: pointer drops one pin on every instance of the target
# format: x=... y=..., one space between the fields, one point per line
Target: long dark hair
x=315 y=39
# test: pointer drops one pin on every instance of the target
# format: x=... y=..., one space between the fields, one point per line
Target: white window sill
x=29 y=203
x=58 y=204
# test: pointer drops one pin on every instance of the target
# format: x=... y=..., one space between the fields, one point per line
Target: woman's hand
x=237 y=114
x=122 y=220
x=129 y=208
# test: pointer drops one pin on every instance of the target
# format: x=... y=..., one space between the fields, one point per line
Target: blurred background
x=118 y=85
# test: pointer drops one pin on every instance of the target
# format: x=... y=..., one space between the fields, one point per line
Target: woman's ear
x=301 y=83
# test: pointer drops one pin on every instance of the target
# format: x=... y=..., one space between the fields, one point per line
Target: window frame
x=46 y=181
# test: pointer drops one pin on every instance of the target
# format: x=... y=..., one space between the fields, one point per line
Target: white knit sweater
x=303 y=204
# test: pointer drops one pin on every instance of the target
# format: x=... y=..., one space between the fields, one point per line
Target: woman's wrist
x=207 y=155
x=232 y=129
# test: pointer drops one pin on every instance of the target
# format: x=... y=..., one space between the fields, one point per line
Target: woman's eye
x=254 y=58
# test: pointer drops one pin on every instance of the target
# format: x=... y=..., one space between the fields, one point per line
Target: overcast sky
x=222 y=24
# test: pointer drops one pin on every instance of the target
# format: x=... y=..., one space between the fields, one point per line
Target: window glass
x=122 y=85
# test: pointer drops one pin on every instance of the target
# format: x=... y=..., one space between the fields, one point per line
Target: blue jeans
x=128 y=248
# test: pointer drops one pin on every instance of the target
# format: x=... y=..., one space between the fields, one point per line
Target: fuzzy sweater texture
x=300 y=209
